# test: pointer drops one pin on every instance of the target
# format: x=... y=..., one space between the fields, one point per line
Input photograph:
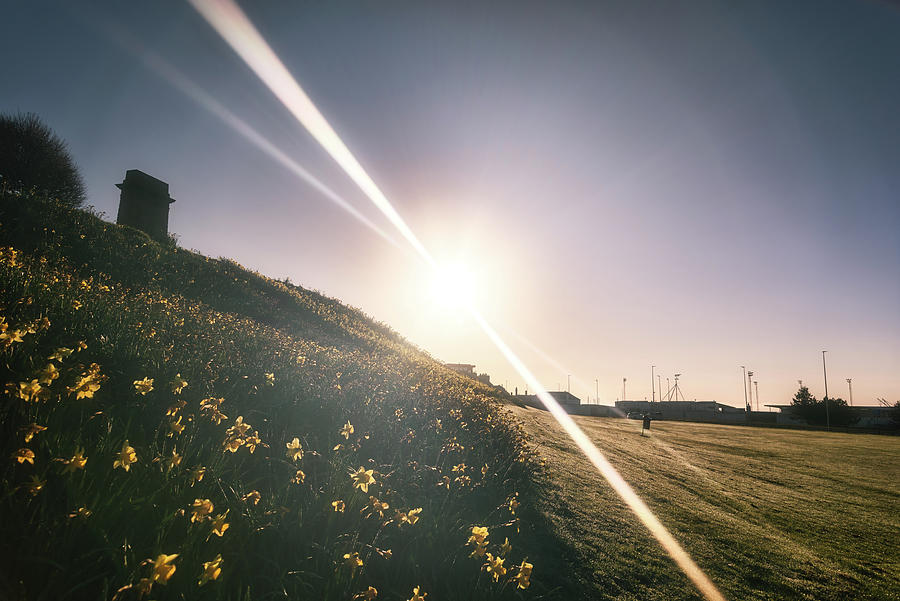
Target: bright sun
x=453 y=286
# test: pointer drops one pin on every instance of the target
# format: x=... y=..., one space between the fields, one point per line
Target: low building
x=691 y=411
x=463 y=369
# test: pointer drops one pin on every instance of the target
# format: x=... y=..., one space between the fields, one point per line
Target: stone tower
x=144 y=204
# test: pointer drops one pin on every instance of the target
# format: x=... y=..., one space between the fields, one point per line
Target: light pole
x=746 y=406
x=623 y=388
x=659 y=381
x=668 y=390
x=568 y=382
x=750 y=386
x=850 y=386
x=652 y=384
x=756 y=385
x=597 y=382
x=825 y=373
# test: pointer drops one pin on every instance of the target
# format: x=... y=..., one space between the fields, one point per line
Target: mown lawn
x=768 y=514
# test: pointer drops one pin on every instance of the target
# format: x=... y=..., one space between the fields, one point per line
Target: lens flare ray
x=232 y=24
x=179 y=81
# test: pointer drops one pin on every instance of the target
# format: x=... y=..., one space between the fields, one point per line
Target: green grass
x=768 y=514
x=289 y=362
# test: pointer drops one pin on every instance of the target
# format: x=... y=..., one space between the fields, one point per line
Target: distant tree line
x=806 y=407
x=32 y=157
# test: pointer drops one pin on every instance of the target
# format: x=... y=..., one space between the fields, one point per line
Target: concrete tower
x=144 y=204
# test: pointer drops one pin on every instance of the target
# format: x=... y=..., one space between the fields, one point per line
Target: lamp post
x=623 y=388
x=597 y=382
x=750 y=386
x=652 y=384
x=659 y=381
x=825 y=373
x=850 y=386
x=746 y=406
x=756 y=385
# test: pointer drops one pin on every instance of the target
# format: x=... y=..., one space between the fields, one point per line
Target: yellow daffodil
x=367 y=595
x=163 y=568
x=338 y=505
x=417 y=595
x=200 y=509
x=479 y=535
x=412 y=515
x=88 y=383
x=175 y=427
x=126 y=457
x=299 y=477
x=31 y=429
x=60 y=354
x=30 y=391
x=523 y=577
x=197 y=474
x=24 y=455
x=77 y=462
x=82 y=345
x=352 y=561
x=252 y=497
x=81 y=512
x=347 y=430
x=494 y=566
x=219 y=525
x=362 y=479
x=174 y=460
x=505 y=548
x=175 y=407
x=252 y=441
x=35 y=485
x=460 y=468
x=211 y=570
x=294 y=452
x=48 y=374
x=143 y=386
x=270 y=379
x=239 y=429
x=178 y=384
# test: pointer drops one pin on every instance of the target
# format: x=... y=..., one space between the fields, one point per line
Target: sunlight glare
x=453 y=287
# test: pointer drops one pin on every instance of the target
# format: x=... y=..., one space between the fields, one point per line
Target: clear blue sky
x=698 y=187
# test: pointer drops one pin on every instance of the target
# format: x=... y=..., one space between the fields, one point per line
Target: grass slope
x=768 y=514
x=339 y=456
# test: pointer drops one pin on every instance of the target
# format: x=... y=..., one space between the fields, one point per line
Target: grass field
x=768 y=514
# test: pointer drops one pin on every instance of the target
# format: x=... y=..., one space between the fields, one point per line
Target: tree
x=805 y=406
x=32 y=156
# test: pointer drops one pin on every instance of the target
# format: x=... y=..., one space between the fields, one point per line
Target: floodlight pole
x=825 y=373
x=568 y=383
x=623 y=388
x=750 y=386
x=746 y=406
x=653 y=385
x=850 y=386
x=597 y=382
x=756 y=384
x=659 y=381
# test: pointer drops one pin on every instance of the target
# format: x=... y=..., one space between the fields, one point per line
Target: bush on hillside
x=33 y=157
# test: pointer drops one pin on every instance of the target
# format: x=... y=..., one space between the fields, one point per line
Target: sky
x=695 y=187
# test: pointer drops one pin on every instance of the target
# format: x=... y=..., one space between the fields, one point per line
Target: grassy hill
x=175 y=426
x=768 y=514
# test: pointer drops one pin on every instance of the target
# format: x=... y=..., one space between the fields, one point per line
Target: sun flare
x=453 y=286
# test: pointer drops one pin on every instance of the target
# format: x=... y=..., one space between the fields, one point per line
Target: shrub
x=33 y=157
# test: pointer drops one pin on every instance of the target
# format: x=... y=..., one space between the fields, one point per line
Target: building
x=144 y=204
x=691 y=411
x=463 y=369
